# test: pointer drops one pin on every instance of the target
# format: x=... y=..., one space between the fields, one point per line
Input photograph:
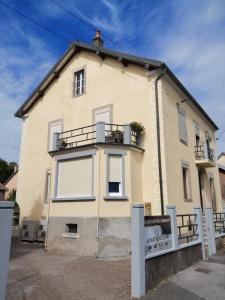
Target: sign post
x=6 y=215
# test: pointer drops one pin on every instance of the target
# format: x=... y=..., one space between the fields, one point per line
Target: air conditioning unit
x=42 y=227
x=29 y=231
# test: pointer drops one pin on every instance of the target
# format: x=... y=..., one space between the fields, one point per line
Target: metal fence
x=97 y=133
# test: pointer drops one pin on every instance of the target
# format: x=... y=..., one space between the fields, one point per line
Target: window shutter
x=182 y=126
x=115 y=168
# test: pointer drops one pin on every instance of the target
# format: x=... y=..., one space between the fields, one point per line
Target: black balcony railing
x=187 y=227
x=97 y=133
x=203 y=152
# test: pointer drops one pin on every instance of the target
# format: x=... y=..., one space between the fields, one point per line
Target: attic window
x=79 y=84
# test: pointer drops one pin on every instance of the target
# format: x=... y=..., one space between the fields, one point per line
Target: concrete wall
x=160 y=267
x=111 y=237
x=176 y=151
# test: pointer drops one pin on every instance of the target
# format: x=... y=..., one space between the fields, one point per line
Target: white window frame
x=80 y=89
x=121 y=194
x=53 y=123
x=72 y=156
x=185 y=165
x=121 y=183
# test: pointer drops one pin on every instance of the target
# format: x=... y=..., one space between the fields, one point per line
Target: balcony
x=112 y=134
x=204 y=156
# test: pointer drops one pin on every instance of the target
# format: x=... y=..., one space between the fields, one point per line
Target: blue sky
x=188 y=35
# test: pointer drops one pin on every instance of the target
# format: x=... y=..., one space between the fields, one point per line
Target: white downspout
x=99 y=198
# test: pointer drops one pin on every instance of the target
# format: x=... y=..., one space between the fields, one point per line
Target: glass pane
x=114 y=187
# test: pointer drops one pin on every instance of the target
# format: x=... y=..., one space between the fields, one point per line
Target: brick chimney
x=97 y=41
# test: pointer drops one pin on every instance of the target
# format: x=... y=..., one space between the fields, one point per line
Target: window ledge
x=70 y=235
x=115 y=198
x=67 y=199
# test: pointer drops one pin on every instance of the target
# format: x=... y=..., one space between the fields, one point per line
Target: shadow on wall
x=36 y=211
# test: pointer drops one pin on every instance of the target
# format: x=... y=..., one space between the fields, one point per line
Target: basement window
x=71 y=228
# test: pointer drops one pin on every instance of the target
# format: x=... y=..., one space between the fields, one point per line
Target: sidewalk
x=205 y=280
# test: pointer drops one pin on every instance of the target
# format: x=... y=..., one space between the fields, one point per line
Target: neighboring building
x=3 y=190
x=11 y=182
x=221 y=165
x=85 y=177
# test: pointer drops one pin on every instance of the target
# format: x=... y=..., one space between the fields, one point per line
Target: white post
x=100 y=132
x=210 y=231
x=127 y=134
x=171 y=211
x=6 y=215
x=137 y=251
x=199 y=229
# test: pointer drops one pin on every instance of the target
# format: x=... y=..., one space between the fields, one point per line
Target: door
x=102 y=114
x=201 y=187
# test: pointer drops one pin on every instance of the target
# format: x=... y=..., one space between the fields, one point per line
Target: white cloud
x=21 y=67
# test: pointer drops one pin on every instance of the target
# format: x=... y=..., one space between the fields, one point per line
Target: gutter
x=158 y=137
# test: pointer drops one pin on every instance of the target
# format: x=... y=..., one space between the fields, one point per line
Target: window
x=197 y=134
x=47 y=186
x=75 y=178
x=54 y=127
x=115 y=180
x=79 y=83
x=71 y=228
x=186 y=182
x=182 y=126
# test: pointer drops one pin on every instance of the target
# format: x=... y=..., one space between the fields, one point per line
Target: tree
x=6 y=170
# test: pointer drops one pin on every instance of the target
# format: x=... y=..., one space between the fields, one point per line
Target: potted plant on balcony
x=63 y=144
x=116 y=136
x=139 y=129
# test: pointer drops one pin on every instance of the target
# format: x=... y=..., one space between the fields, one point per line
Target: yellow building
x=83 y=160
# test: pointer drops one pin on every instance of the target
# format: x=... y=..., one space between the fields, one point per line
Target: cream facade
x=85 y=190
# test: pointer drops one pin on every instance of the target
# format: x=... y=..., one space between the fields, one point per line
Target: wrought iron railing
x=203 y=152
x=76 y=137
x=187 y=227
x=100 y=132
x=114 y=133
x=219 y=222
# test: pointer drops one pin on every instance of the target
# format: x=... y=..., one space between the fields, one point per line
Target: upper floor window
x=79 y=82
x=186 y=182
x=182 y=126
x=115 y=178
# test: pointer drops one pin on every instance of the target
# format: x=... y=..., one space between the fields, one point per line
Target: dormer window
x=79 y=83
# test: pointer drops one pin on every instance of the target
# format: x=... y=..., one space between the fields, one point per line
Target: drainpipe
x=99 y=198
x=158 y=137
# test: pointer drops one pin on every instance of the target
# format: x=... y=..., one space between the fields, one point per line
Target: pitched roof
x=75 y=47
x=11 y=176
x=220 y=155
x=221 y=167
x=3 y=188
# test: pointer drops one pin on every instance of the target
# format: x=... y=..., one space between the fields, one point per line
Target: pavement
x=204 y=280
x=37 y=275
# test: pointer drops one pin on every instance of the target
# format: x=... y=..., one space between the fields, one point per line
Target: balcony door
x=102 y=114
